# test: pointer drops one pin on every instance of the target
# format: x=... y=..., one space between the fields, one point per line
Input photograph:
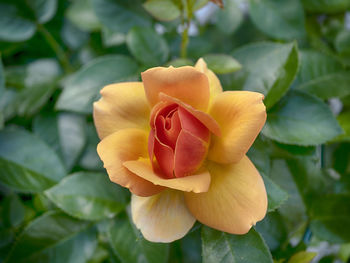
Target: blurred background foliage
x=56 y=201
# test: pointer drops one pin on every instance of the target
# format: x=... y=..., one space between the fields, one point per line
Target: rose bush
x=179 y=143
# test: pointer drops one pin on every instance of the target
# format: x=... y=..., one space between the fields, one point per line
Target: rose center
x=177 y=140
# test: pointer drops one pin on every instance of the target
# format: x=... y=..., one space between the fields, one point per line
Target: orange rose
x=179 y=143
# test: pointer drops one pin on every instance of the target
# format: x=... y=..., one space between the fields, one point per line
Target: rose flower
x=179 y=144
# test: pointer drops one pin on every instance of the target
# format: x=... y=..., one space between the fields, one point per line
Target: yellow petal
x=235 y=201
x=184 y=83
x=121 y=146
x=214 y=82
x=163 y=217
x=197 y=183
x=122 y=105
x=241 y=115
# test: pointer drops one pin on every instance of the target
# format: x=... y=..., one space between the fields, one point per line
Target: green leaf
x=164 y=10
x=275 y=194
x=71 y=128
x=82 y=88
x=7 y=237
x=36 y=81
x=309 y=177
x=199 y=4
x=45 y=127
x=328 y=212
x=342 y=42
x=221 y=247
x=101 y=254
x=90 y=159
x=289 y=150
x=44 y=9
x=222 y=64
x=314 y=64
x=1 y=120
x=54 y=237
x=42 y=203
x=82 y=15
x=301 y=119
x=180 y=62
x=322 y=75
x=2 y=78
x=72 y=36
x=8 y=104
x=90 y=196
x=120 y=15
x=302 y=257
x=6 y=241
x=328 y=86
x=65 y=132
x=111 y=38
x=147 y=46
x=229 y=18
x=268 y=68
x=260 y=155
x=122 y=236
x=285 y=19
x=191 y=246
x=329 y=215
x=343 y=119
x=293 y=210
x=344 y=252
x=27 y=163
x=13 y=27
x=272 y=228
x=13 y=211
x=326 y=6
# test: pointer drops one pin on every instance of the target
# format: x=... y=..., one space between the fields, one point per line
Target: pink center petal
x=178 y=140
x=193 y=125
x=165 y=157
x=189 y=154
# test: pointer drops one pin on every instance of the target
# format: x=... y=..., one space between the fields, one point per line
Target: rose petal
x=235 y=201
x=121 y=146
x=193 y=125
x=214 y=83
x=189 y=153
x=122 y=105
x=163 y=217
x=184 y=83
x=168 y=135
x=241 y=115
x=165 y=157
x=196 y=183
x=203 y=117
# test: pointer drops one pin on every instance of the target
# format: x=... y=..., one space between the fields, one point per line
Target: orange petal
x=214 y=83
x=203 y=117
x=121 y=146
x=163 y=217
x=122 y=105
x=196 y=183
x=235 y=201
x=189 y=154
x=241 y=115
x=184 y=83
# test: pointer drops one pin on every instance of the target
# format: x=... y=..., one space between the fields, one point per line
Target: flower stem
x=184 y=43
x=61 y=55
x=186 y=21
